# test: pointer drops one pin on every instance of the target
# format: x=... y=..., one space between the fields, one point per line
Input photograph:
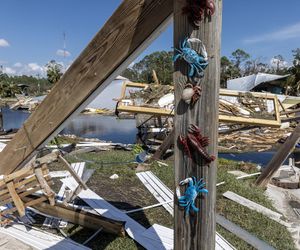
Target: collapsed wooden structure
x=274 y=121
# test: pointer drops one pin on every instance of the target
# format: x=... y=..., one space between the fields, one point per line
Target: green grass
x=127 y=192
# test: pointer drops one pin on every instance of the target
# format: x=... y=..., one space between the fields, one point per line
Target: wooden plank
x=254 y=206
x=82 y=218
x=249 y=120
x=27 y=204
x=16 y=199
x=168 y=141
x=278 y=159
x=243 y=234
x=199 y=232
x=132 y=27
x=73 y=172
x=145 y=110
x=39 y=239
x=45 y=186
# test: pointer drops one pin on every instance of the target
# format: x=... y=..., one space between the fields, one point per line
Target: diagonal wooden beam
x=132 y=27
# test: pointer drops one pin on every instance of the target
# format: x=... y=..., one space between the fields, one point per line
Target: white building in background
x=105 y=98
x=257 y=82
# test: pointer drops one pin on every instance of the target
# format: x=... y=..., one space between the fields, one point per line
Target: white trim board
x=158 y=189
x=41 y=240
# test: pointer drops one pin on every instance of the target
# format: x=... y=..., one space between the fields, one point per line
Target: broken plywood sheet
x=40 y=240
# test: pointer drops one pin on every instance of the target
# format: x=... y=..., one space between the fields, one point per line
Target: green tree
x=54 y=71
x=228 y=71
x=8 y=88
x=239 y=56
x=292 y=85
x=160 y=61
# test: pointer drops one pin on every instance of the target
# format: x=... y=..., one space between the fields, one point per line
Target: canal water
x=110 y=128
x=106 y=128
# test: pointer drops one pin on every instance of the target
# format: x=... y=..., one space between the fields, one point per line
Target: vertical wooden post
x=197 y=231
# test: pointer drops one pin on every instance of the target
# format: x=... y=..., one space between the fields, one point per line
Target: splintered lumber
x=16 y=199
x=278 y=159
x=73 y=173
x=44 y=185
x=132 y=27
x=81 y=217
x=243 y=234
x=168 y=141
x=16 y=186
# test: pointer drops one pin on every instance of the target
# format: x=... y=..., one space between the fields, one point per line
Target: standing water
x=106 y=128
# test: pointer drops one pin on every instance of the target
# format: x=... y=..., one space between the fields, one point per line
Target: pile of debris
x=151 y=94
x=251 y=139
x=245 y=105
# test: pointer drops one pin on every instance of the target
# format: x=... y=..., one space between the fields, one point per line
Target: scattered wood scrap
x=20 y=184
x=252 y=139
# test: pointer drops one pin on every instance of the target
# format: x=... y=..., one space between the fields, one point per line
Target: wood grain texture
x=278 y=159
x=167 y=143
x=82 y=218
x=16 y=199
x=126 y=32
x=198 y=231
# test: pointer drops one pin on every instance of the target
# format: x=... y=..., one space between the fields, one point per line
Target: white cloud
x=4 y=43
x=9 y=71
x=64 y=53
x=30 y=69
x=274 y=62
x=285 y=33
x=18 y=65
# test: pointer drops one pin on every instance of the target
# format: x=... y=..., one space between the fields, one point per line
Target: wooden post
x=197 y=231
x=278 y=159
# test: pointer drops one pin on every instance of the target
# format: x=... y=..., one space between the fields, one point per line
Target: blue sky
x=31 y=31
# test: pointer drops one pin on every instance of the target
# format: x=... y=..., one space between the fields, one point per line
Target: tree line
x=238 y=64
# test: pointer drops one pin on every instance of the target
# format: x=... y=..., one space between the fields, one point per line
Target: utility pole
x=196 y=230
